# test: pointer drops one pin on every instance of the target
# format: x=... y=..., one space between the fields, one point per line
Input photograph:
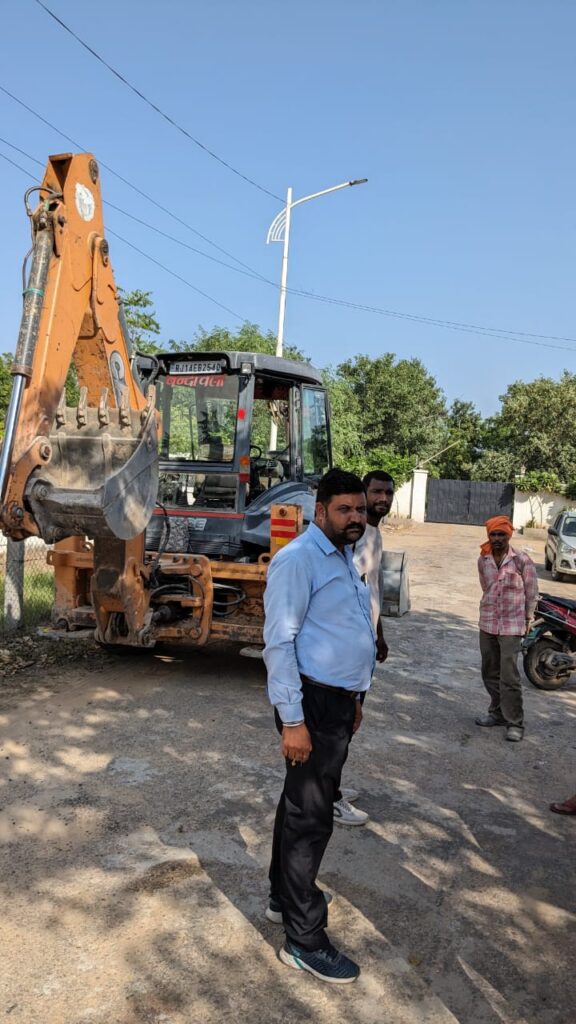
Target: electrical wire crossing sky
x=459 y=249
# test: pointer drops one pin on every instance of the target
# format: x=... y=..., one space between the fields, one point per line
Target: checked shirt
x=509 y=593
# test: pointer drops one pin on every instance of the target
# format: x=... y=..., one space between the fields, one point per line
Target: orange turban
x=496 y=523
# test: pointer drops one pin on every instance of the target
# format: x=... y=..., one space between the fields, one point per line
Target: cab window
x=314 y=432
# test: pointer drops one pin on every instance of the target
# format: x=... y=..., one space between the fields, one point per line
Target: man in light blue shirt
x=320 y=654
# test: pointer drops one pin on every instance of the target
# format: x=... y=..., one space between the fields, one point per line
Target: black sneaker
x=327 y=964
x=274 y=911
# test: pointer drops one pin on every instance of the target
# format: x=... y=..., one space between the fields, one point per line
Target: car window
x=557 y=522
x=569 y=527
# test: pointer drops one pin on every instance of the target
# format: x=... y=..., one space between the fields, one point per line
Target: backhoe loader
x=158 y=490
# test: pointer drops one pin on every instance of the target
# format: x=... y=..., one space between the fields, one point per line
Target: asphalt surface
x=137 y=798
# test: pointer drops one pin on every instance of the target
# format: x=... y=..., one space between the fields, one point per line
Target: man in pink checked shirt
x=509 y=594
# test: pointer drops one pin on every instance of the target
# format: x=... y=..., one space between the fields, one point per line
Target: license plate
x=212 y=366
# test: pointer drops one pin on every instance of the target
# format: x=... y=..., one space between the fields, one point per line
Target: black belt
x=353 y=694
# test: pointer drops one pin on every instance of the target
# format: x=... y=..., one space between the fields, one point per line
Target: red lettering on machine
x=203 y=381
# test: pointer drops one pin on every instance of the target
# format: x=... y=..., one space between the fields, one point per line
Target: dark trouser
x=339 y=791
x=304 y=817
x=501 y=677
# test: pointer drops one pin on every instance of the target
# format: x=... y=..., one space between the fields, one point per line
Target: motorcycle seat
x=566 y=602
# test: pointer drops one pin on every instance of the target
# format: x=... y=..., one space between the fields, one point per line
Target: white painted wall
x=419 y=487
x=541 y=508
x=402 y=501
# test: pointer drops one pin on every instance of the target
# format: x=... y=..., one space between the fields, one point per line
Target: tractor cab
x=240 y=431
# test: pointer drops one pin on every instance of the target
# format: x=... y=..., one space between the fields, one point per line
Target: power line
x=125 y=181
x=191 y=248
x=23 y=153
x=157 y=109
x=487 y=332
x=177 y=276
x=521 y=337
x=151 y=227
x=14 y=164
x=136 y=249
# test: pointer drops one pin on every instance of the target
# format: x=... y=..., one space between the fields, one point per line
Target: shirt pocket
x=512 y=580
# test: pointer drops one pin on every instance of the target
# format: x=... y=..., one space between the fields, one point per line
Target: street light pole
x=279 y=231
x=284 y=276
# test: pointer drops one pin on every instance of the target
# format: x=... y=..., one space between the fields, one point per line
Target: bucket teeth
x=61 y=410
x=124 y=409
x=103 y=414
x=150 y=403
x=82 y=410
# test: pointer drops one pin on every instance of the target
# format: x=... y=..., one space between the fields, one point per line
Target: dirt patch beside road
x=137 y=806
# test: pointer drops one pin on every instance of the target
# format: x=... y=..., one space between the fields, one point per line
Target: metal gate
x=470 y=502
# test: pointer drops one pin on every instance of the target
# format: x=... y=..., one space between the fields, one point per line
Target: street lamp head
x=358 y=181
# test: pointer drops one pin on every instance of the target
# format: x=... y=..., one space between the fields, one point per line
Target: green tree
x=537 y=425
x=141 y=320
x=537 y=480
x=401 y=406
x=495 y=465
x=348 y=450
x=5 y=387
x=248 y=338
x=465 y=433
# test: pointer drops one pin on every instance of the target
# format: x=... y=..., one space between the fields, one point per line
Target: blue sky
x=459 y=112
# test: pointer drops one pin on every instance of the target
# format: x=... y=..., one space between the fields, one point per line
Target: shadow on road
x=137 y=816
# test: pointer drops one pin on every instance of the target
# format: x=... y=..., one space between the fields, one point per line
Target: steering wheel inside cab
x=263 y=466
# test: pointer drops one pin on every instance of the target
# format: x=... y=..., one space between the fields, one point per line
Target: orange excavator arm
x=91 y=470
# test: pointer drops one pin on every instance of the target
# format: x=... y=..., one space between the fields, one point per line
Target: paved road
x=137 y=798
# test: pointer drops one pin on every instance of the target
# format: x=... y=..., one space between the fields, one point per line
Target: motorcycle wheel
x=533 y=667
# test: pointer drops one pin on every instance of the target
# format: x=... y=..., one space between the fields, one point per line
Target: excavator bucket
x=92 y=468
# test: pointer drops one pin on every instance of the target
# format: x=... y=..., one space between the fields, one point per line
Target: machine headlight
x=566 y=549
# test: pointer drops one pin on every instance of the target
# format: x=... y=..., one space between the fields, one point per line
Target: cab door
x=315 y=433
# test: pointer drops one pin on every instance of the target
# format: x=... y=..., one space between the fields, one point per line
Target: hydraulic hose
x=27 y=338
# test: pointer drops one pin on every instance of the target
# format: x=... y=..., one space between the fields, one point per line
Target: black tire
x=533 y=670
x=547 y=563
x=557 y=576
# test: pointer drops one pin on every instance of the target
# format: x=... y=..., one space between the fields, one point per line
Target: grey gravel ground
x=137 y=797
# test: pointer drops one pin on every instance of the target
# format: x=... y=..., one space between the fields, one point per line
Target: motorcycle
x=549 y=648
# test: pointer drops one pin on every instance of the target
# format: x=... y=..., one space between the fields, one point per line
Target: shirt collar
x=511 y=553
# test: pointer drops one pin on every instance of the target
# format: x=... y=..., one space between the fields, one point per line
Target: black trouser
x=339 y=791
x=305 y=815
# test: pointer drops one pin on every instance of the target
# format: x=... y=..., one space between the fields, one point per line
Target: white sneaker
x=350 y=795
x=345 y=814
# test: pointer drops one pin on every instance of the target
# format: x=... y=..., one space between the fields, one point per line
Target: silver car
x=560 y=550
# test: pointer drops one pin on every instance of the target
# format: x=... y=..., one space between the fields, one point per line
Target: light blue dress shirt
x=318 y=622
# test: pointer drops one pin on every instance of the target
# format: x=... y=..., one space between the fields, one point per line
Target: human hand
x=296 y=743
x=358 y=715
x=381 y=649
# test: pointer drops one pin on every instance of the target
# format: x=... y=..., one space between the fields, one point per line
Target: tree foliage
x=390 y=413
x=141 y=319
x=401 y=405
x=537 y=425
x=248 y=338
x=464 y=439
x=5 y=387
x=538 y=480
